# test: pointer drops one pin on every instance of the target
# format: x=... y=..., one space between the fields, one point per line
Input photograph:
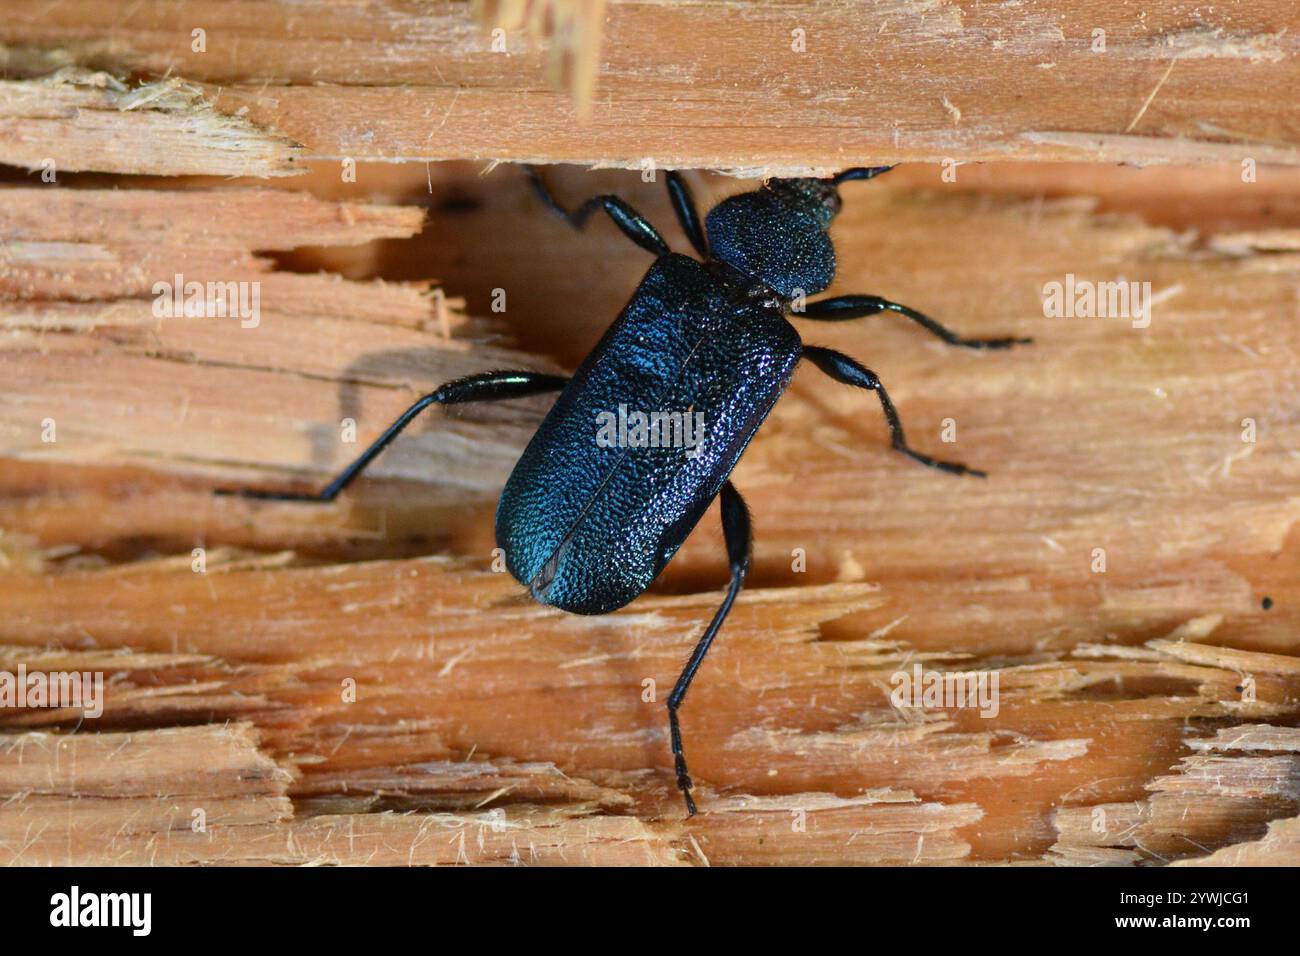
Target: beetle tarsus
x=952 y=467
x=684 y=783
x=259 y=494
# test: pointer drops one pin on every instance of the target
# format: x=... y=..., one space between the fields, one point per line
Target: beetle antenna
x=860 y=172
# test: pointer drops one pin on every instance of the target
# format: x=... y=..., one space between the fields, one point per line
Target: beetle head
x=778 y=234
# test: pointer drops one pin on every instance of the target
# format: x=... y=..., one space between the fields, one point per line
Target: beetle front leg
x=484 y=387
x=687 y=214
x=861 y=306
x=740 y=547
x=630 y=222
x=844 y=369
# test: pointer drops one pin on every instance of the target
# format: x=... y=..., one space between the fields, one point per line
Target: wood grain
x=400 y=701
x=747 y=85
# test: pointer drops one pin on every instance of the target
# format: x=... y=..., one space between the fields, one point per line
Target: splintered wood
x=76 y=120
x=673 y=83
x=356 y=682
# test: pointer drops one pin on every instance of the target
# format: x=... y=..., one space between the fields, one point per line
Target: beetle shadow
x=489 y=239
x=411 y=372
x=374 y=370
x=399 y=515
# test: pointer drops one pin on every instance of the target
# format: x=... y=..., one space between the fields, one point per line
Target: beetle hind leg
x=484 y=387
x=844 y=369
x=740 y=546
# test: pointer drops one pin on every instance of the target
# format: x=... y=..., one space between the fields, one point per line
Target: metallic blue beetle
x=587 y=525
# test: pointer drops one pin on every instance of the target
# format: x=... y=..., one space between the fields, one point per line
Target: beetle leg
x=844 y=369
x=684 y=205
x=632 y=224
x=740 y=546
x=861 y=306
x=860 y=172
x=484 y=387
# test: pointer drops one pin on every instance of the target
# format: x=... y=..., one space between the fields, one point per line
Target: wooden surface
x=356 y=683
x=682 y=84
x=1147 y=713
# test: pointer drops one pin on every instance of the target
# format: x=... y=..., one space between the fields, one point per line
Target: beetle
x=588 y=525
